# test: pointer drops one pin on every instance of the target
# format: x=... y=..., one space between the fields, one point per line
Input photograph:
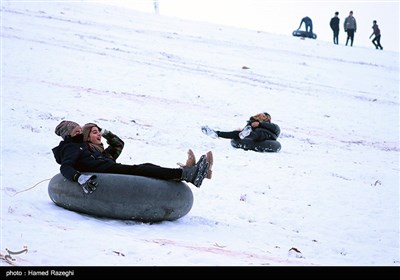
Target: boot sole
x=201 y=172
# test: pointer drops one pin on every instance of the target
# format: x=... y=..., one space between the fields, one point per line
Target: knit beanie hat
x=65 y=128
x=86 y=130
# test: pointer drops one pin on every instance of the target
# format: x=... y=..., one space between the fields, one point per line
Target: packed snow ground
x=332 y=192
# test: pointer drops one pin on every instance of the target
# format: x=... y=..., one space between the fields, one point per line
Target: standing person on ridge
x=377 y=32
x=334 y=23
x=350 y=26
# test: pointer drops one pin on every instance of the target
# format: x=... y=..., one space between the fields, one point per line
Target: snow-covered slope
x=332 y=192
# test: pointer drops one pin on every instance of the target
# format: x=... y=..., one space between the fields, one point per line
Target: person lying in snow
x=76 y=155
x=259 y=128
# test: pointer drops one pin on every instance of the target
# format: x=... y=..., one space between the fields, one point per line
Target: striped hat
x=66 y=128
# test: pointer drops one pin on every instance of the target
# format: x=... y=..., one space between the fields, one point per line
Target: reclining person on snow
x=259 y=128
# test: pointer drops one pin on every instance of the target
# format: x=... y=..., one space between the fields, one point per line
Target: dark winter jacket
x=377 y=31
x=264 y=131
x=307 y=21
x=335 y=23
x=74 y=157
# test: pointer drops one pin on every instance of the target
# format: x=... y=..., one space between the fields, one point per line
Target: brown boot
x=191 y=160
x=210 y=161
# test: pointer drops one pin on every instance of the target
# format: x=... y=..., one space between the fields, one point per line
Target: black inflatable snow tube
x=262 y=146
x=125 y=197
x=301 y=33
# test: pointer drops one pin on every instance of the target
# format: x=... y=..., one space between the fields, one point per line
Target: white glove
x=88 y=183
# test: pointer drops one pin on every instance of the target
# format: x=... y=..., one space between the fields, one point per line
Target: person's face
x=259 y=116
x=76 y=131
x=95 y=136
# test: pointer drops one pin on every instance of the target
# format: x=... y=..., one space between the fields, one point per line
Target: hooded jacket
x=74 y=157
x=377 y=31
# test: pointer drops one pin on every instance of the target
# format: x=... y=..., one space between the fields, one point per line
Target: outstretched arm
x=300 y=24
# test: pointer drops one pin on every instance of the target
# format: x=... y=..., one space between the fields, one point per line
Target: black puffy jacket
x=265 y=131
x=74 y=157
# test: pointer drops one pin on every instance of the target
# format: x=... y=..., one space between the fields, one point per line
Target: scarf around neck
x=96 y=147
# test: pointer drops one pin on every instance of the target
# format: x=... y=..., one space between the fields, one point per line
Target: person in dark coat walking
x=377 y=39
x=334 y=23
x=259 y=128
x=350 y=26
x=76 y=156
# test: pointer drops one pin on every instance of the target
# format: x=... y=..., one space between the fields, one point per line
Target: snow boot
x=196 y=173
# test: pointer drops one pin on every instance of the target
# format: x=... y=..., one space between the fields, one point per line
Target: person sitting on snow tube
x=259 y=128
x=76 y=156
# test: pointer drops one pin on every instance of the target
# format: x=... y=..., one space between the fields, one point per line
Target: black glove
x=88 y=183
x=104 y=132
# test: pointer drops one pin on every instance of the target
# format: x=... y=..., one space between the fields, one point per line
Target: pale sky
x=282 y=17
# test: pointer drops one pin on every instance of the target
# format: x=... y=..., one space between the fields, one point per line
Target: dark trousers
x=147 y=170
x=377 y=42
x=336 y=37
x=350 y=35
x=309 y=28
x=228 y=135
x=254 y=135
